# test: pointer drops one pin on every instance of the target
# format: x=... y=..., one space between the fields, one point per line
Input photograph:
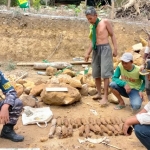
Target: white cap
x=126 y=57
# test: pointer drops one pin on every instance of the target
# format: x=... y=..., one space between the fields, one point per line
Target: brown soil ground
x=33 y=133
x=127 y=35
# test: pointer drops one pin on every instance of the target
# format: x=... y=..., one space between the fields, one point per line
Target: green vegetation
x=36 y=4
x=13 y=2
x=10 y=66
x=76 y=9
x=3 y=2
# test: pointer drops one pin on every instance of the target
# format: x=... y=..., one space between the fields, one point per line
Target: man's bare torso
x=102 y=33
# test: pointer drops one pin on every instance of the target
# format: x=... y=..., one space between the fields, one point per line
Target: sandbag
x=36 y=115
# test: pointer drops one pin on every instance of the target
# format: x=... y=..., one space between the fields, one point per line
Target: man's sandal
x=118 y=107
x=97 y=97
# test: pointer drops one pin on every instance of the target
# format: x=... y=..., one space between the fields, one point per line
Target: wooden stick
x=25 y=64
x=112 y=10
x=80 y=62
x=24 y=75
x=8 y=4
x=85 y=3
x=73 y=63
x=111 y=145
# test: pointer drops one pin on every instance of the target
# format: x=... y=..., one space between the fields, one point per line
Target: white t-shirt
x=144 y=118
x=147 y=50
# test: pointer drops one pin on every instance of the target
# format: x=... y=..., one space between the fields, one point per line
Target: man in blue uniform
x=10 y=109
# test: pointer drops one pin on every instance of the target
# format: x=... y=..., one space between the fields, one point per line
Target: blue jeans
x=143 y=134
x=135 y=99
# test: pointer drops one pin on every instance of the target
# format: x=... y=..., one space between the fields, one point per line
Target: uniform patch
x=6 y=86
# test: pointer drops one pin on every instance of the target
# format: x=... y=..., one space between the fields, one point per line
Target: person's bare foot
x=97 y=97
x=103 y=102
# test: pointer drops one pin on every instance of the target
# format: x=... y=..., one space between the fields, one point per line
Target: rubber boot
x=9 y=133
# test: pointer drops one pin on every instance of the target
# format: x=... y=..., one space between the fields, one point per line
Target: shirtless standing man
x=102 y=57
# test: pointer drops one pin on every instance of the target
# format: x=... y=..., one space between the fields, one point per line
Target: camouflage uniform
x=11 y=99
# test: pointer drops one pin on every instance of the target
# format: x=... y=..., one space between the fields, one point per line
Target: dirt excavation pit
x=29 y=39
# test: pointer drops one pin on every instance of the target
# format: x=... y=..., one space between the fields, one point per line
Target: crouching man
x=130 y=85
x=141 y=121
x=10 y=109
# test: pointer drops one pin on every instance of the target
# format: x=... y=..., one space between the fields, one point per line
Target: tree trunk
x=112 y=9
x=8 y=4
x=85 y=3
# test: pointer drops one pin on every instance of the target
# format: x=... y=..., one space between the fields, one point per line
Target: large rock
x=29 y=84
x=90 y=82
x=138 y=61
x=28 y=100
x=38 y=82
x=21 y=81
x=112 y=99
x=51 y=71
x=79 y=77
x=53 y=80
x=75 y=83
x=64 y=78
x=92 y=91
x=36 y=91
x=84 y=90
x=19 y=89
x=60 y=98
x=69 y=72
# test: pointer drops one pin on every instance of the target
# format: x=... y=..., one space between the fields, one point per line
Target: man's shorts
x=102 y=61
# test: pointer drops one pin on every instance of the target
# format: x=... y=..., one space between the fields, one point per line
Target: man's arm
x=129 y=122
x=142 y=88
x=141 y=118
x=87 y=55
x=8 y=90
x=112 y=35
x=147 y=50
x=116 y=77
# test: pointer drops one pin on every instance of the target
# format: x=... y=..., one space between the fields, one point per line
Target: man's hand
x=148 y=41
x=4 y=114
x=125 y=128
x=87 y=57
x=115 y=53
x=141 y=67
x=141 y=95
x=127 y=88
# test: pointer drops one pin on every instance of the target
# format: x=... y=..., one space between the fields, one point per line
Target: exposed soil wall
x=26 y=38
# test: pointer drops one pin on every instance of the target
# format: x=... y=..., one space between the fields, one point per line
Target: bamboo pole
x=85 y=3
x=112 y=9
x=45 y=64
x=8 y=4
x=29 y=3
x=46 y=3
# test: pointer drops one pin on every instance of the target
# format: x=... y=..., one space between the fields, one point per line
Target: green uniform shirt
x=132 y=78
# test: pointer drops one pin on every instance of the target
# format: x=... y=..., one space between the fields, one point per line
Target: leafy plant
x=36 y=4
x=14 y=3
x=98 y=4
x=77 y=11
x=72 y=6
x=10 y=66
x=3 y=2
